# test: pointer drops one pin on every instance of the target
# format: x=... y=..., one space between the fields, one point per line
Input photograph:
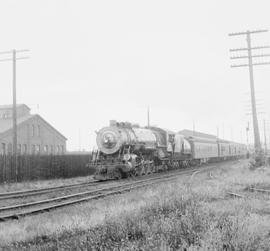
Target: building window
x=33 y=130
x=9 y=148
x=3 y=148
x=51 y=149
x=46 y=149
x=33 y=149
x=24 y=148
x=4 y=116
x=38 y=130
x=38 y=149
x=63 y=149
x=19 y=148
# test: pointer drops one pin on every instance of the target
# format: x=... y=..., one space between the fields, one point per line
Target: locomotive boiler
x=120 y=135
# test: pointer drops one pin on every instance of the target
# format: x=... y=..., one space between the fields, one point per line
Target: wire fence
x=40 y=167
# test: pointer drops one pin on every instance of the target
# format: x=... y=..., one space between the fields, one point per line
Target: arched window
x=38 y=130
x=9 y=148
x=19 y=148
x=38 y=149
x=33 y=130
x=3 y=150
x=33 y=149
x=24 y=148
x=46 y=149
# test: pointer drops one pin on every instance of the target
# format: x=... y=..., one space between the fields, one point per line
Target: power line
x=250 y=65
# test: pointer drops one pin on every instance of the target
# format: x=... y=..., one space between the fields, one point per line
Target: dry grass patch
x=187 y=214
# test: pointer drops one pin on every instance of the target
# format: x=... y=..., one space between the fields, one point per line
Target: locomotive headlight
x=109 y=140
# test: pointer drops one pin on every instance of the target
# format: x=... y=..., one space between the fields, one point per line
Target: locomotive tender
x=126 y=149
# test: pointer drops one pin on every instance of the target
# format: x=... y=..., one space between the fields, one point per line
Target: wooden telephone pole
x=249 y=49
x=14 y=96
x=264 y=134
x=148 y=116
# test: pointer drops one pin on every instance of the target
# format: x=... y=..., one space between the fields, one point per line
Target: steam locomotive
x=126 y=149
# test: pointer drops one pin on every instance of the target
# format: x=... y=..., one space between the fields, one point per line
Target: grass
x=188 y=214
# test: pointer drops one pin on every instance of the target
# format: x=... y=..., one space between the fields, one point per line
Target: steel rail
x=24 y=193
x=119 y=189
x=236 y=195
x=259 y=190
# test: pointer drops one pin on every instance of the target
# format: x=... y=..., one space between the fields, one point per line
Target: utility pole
x=14 y=110
x=247 y=129
x=241 y=135
x=264 y=130
x=148 y=117
x=250 y=56
x=79 y=134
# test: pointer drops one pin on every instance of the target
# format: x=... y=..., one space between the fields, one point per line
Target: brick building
x=34 y=134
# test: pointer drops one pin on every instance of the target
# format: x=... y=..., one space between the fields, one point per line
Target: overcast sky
x=93 y=61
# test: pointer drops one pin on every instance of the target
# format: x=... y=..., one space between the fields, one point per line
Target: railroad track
x=33 y=192
x=259 y=190
x=49 y=204
x=236 y=195
x=41 y=191
x=253 y=189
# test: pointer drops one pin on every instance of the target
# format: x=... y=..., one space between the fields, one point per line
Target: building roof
x=191 y=133
x=7 y=124
x=4 y=107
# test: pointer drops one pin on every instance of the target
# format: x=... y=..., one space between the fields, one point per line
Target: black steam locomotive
x=126 y=149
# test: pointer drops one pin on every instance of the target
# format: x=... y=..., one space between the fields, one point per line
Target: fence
x=37 y=167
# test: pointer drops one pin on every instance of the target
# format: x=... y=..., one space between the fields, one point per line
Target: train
x=127 y=150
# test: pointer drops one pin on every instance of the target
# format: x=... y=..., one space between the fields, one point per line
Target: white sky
x=92 y=61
